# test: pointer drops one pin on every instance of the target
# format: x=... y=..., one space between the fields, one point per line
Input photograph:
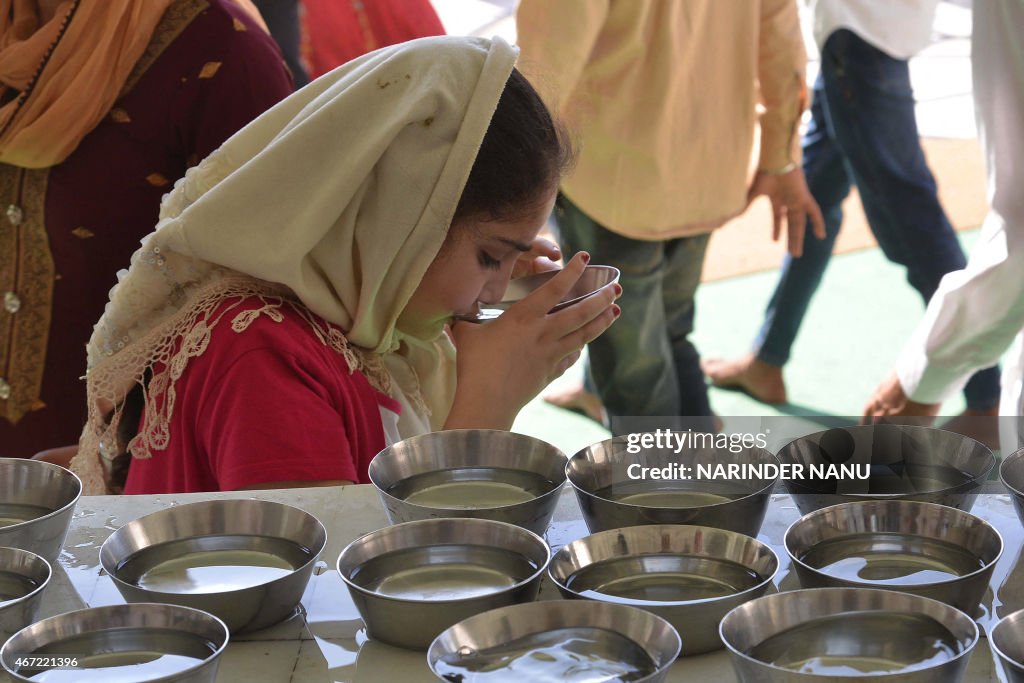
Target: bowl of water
x=119 y=644
x=922 y=548
x=836 y=634
x=617 y=488
x=1007 y=639
x=689 y=575
x=413 y=580
x=1011 y=473
x=37 y=500
x=592 y=280
x=23 y=576
x=245 y=561
x=479 y=473
x=557 y=640
x=903 y=462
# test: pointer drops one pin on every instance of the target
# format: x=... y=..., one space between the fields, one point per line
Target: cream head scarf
x=336 y=201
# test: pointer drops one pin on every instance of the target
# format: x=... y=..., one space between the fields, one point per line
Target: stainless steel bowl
x=37 y=500
x=837 y=634
x=591 y=281
x=479 y=473
x=23 y=576
x=138 y=642
x=245 y=561
x=1007 y=639
x=413 y=580
x=610 y=499
x=906 y=462
x=579 y=635
x=930 y=550
x=1011 y=473
x=691 y=576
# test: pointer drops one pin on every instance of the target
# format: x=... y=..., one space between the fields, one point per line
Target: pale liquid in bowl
x=573 y=655
x=853 y=644
x=443 y=572
x=891 y=559
x=662 y=578
x=14 y=586
x=471 y=488
x=16 y=513
x=231 y=567
x=125 y=655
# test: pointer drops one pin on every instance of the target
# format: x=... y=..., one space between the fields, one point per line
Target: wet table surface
x=325 y=640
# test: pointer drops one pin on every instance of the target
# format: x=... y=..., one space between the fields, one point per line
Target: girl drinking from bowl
x=288 y=316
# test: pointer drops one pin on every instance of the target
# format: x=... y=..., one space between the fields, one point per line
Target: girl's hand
x=541 y=258
x=503 y=364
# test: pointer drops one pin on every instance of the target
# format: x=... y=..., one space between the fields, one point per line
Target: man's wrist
x=781 y=170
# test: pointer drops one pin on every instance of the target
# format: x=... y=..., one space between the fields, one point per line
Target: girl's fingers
x=564 y=365
x=576 y=340
x=546 y=248
x=572 y=318
x=542 y=264
x=548 y=295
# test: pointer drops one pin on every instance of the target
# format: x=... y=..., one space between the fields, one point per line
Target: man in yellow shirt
x=663 y=96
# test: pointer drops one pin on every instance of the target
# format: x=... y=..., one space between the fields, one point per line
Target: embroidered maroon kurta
x=65 y=231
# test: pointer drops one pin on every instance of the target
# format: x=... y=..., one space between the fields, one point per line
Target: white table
x=326 y=642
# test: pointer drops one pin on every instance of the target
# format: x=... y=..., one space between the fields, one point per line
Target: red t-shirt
x=272 y=403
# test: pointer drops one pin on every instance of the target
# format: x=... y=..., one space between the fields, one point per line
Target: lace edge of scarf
x=109 y=382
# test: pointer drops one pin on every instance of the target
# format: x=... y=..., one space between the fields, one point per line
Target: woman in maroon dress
x=104 y=104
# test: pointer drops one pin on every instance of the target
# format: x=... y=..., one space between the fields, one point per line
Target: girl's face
x=472 y=268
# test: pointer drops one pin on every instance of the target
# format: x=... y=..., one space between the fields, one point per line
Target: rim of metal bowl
x=643 y=604
x=1011 y=618
x=975 y=481
x=761 y=491
x=1016 y=455
x=967 y=651
x=163 y=679
x=43 y=584
x=451 y=601
x=59 y=510
x=615 y=273
x=988 y=566
x=314 y=552
x=553 y=492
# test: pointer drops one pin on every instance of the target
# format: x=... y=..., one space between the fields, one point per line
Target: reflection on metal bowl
x=245 y=561
x=478 y=473
x=413 y=580
x=689 y=575
x=610 y=498
x=905 y=462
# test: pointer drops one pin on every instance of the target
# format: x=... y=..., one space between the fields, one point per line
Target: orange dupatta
x=64 y=76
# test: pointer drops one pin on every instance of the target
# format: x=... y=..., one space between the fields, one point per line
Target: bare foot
x=980 y=425
x=577 y=399
x=759 y=379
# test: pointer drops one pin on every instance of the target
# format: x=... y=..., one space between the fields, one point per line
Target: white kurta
x=899 y=28
x=978 y=311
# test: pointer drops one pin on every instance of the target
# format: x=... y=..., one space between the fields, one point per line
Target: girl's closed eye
x=488 y=261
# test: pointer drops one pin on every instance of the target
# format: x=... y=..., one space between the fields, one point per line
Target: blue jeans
x=863 y=132
x=645 y=364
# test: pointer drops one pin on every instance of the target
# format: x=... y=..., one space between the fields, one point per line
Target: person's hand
x=792 y=204
x=541 y=258
x=889 y=403
x=58 y=456
x=503 y=364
